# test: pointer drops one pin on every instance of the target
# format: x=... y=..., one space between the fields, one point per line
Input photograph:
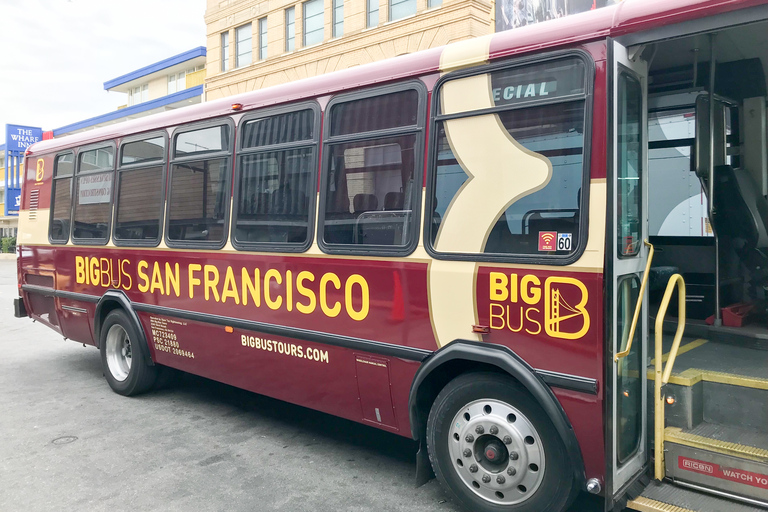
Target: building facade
x=253 y=44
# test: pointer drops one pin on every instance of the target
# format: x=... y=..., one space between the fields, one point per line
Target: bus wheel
x=122 y=356
x=493 y=447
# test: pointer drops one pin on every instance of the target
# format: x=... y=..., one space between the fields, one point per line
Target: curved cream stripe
x=500 y=171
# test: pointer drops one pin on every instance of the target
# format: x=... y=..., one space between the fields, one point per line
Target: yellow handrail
x=639 y=305
x=662 y=377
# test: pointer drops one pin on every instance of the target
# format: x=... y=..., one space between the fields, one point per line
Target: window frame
x=54 y=179
x=285 y=247
x=263 y=49
x=369 y=12
x=335 y=21
x=436 y=117
x=225 y=51
x=304 y=32
x=129 y=167
x=417 y=130
x=238 y=64
x=288 y=40
x=76 y=175
x=227 y=154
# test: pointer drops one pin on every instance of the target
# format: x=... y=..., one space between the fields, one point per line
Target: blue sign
x=17 y=140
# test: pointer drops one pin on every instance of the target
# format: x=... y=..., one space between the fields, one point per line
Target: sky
x=57 y=54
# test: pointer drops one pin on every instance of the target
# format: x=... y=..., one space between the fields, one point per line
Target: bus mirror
x=702 y=134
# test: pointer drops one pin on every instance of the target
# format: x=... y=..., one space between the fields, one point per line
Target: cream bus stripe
x=462 y=54
x=33 y=232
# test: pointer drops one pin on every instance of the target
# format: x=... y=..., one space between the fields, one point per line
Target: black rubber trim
x=374 y=347
x=19 y=310
x=122 y=299
x=567 y=381
x=505 y=359
x=50 y=292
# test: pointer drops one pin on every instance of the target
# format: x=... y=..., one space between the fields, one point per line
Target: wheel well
x=106 y=308
x=437 y=380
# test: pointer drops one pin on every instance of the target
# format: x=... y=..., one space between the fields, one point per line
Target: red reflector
x=28 y=152
x=237 y=106
x=481 y=329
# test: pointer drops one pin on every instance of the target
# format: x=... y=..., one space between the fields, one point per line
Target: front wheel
x=495 y=449
x=122 y=356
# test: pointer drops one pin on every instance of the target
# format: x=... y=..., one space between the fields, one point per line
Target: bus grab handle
x=639 y=305
x=662 y=378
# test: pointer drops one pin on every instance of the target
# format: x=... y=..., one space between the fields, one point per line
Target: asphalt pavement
x=68 y=443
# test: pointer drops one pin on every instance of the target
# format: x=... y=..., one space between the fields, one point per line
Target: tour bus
x=540 y=253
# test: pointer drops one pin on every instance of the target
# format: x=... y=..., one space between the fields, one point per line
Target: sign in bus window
x=93 y=195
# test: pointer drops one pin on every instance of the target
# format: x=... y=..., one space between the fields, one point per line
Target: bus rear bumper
x=19 y=310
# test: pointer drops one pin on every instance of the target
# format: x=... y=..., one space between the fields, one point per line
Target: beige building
x=253 y=44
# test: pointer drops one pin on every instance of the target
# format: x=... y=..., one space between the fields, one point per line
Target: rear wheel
x=495 y=449
x=123 y=357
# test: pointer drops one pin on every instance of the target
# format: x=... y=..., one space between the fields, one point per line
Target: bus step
x=720 y=458
x=668 y=497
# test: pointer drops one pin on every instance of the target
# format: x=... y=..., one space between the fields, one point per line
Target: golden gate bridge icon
x=558 y=310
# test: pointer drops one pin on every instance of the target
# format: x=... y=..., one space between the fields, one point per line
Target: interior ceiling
x=737 y=43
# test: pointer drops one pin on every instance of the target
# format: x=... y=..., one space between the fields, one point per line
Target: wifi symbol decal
x=547 y=240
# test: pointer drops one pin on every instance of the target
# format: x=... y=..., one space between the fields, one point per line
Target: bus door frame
x=621 y=475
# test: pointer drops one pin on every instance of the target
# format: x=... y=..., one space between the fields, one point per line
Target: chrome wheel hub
x=118 y=350
x=496 y=452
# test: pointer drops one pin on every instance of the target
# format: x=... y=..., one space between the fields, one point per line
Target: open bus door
x=627 y=257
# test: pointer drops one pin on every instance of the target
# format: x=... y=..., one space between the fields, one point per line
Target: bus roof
x=627 y=17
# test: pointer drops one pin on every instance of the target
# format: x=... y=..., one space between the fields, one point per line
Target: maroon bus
x=464 y=245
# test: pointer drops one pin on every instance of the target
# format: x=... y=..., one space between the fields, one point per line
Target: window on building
x=93 y=193
x=338 y=18
x=290 y=29
x=63 y=170
x=172 y=83
x=199 y=195
x=138 y=94
x=541 y=112
x=401 y=8
x=371 y=186
x=313 y=22
x=244 y=46
x=225 y=51
x=263 y=38
x=140 y=188
x=372 y=13
x=434 y=3
x=275 y=186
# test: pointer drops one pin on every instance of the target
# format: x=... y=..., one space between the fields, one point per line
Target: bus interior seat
x=394 y=201
x=365 y=203
x=741 y=214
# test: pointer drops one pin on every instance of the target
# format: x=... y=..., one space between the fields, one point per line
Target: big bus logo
x=40 y=170
x=516 y=305
x=562 y=316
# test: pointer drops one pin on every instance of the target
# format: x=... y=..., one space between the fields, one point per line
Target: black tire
x=126 y=370
x=554 y=487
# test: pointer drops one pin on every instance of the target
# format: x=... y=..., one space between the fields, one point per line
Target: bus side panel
x=585 y=413
x=318 y=376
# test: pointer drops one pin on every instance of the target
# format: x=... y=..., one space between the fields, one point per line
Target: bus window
x=140 y=192
x=199 y=192
x=541 y=108
x=276 y=181
x=370 y=185
x=629 y=170
x=61 y=211
x=93 y=190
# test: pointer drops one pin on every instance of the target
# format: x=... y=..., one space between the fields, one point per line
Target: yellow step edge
x=695 y=375
x=676 y=435
x=682 y=350
x=648 y=505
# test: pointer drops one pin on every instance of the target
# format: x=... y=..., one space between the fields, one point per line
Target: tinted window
x=629 y=172
x=378 y=113
x=198 y=201
x=543 y=138
x=207 y=140
x=275 y=188
x=370 y=183
x=62 y=198
x=93 y=193
x=143 y=151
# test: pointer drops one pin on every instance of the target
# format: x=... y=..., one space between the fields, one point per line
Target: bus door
x=627 y=229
